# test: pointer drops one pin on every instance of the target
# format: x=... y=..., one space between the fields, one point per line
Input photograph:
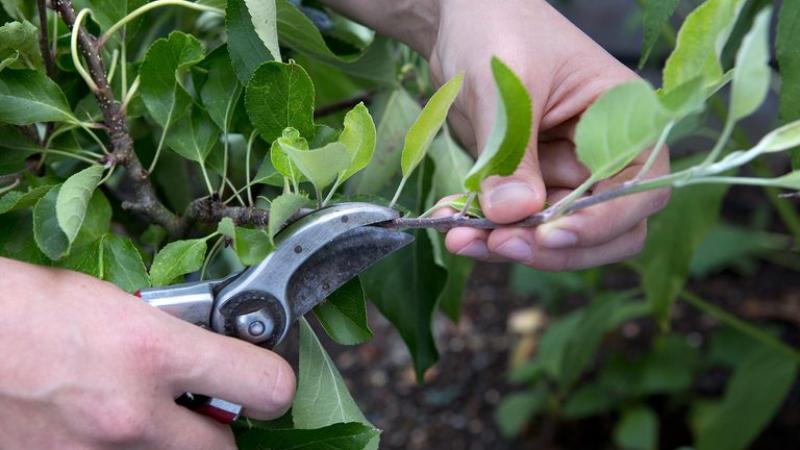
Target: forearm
x=414 y=22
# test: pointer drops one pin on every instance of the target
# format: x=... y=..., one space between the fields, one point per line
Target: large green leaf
x=296 y=31
x=344 y=315
x=751 y=76
x=222 y=89
x=691 y=214
x=701 y=41
x=618 y=126
x=282 y=209
x=176 y=259
x=280 y=160
x=48 y=234
x=17 y=238
x=656 y=16
x=358 y=137
x=322 y=398
x=162 y=71
x=278 y=96
x=512 y=129
x=451 y=164
x=637 y=429
x=430 y=121
x=86 y=259
x=73 y=199
x=787 y=49
x=320 y=165
x=123 y=265
x=399 y=114
x=246 y=49
x=753 y=396
x=263 y=14
x=21 y=39
x=193 y=136
x=339 y=436
x=27 y=96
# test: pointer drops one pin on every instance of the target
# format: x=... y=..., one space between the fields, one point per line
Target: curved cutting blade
x=340 y=261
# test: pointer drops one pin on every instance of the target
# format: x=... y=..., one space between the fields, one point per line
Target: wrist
x=413 y=22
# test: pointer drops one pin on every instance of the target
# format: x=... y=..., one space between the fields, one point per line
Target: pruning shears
x=313 y=257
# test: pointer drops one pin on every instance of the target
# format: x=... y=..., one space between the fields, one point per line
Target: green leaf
x=27 y=97
x=20 y=40
x=48 y=234
x=123 y=265
x=430 y=121
x=108 y=12
x=73 y=199
x=399 y=114
x=344 y=315
x=222 y=90
x=164 y=66
x=518 y=409
x=512 y=129
x=339 y=436
x=282 y=209
x=637 y=429
x=265 y=22
x=322 y=398
x=15 y=200
x=751 y=76
x=280 y=160
x=729 y=246
x=17 y=239
x=358 y=137
x=405 y=288
x=656 y=14
x=227 y=228
x=252 y=245
x=321 y=165
x=97 y=220
x=86 y=259
x=691 y=214
x=701 y=40
x=176 y=259
x=296 y=31
x=783 y=138
x=753 y=396
x=193 y=136
x=787 y=49
x=617 y=127
x=246 y=49
x=278 y=96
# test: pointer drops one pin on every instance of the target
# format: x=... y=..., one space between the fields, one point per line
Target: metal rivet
x=298 y=249
x=256 y=328
x=345 y=219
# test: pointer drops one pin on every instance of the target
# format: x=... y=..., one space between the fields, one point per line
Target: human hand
x=86 y=366
x=564 y=71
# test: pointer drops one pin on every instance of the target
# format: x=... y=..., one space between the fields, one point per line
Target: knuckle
x=147 y=348
x=121 y=421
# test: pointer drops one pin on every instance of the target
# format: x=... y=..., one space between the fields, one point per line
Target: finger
x=232 y=370
x=519 y=244
x=560 y=166
x=469 y=242
x=182 y=429
x=605 y=221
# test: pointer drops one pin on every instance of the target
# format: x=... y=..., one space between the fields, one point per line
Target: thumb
x=517 y=196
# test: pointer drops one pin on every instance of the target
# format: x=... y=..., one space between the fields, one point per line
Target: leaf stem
x=112 y=68
x=210 y=256
x=250 y=143
x=398 y=192
x=150 y=6
x=11 y=186
x=660 y=144
x=205 y=177
x=158 y=149
x=740 y=325
x=333 y=190
x=73 y=43
x=126 y=99
x=727 y=130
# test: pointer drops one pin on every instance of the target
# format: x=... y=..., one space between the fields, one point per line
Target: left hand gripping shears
x=313 y=257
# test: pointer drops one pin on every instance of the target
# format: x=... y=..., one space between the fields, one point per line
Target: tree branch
x=44 y=43
x=143 y=199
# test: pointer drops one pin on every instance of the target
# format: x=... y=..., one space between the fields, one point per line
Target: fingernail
x=516 y=249
x=476 y=249
x=556 y=238
x=509 y=194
